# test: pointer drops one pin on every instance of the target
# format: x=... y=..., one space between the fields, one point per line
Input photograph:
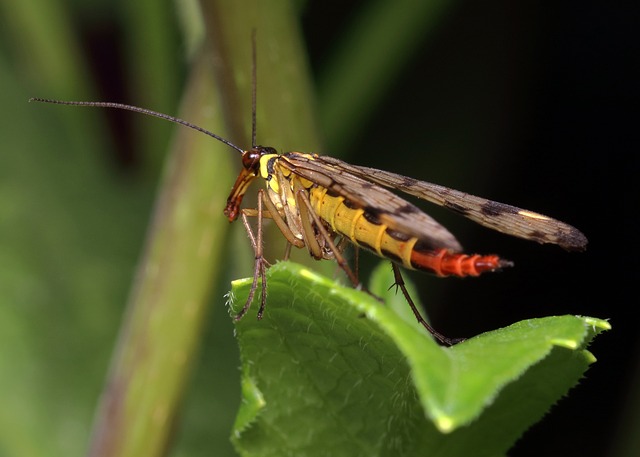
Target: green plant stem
x=186 y=241
x=167 y=307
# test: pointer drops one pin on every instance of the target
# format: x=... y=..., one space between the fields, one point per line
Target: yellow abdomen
x=362 y=228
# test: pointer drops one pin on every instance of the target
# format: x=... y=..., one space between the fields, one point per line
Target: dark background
x=536 y=100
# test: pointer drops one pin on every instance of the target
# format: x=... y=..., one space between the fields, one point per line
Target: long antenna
x=254 y=84
x=148 y=112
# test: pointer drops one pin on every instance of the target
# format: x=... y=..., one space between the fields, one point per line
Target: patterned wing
x=497 y=216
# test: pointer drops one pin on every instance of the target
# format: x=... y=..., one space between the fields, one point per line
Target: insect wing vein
x=504 y=218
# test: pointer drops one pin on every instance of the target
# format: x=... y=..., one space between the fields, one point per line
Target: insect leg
x=341 y=246
x=356 y=259
x=287 y=252
x=282 y=226
x=260 y=265
x=399 y=283
x=306 y=220
x=279 y=220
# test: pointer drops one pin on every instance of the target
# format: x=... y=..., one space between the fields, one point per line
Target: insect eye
x=251 y=159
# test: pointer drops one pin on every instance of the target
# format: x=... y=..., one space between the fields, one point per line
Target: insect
x=323 y=204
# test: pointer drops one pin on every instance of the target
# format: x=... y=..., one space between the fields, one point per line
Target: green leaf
x=331 y=370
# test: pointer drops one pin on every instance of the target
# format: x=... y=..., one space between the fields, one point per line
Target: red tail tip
x=445 y=263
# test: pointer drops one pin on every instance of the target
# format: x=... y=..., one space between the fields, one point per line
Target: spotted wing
x=388 y=208
x=498 y=216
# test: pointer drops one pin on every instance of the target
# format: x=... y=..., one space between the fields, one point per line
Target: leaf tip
x=253 y=402
x=589 y=357
x=597 y=323
x=444 y=423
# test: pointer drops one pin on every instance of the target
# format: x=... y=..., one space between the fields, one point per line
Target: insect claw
x=245 y=308
x=396 y=285
x=242 y=312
